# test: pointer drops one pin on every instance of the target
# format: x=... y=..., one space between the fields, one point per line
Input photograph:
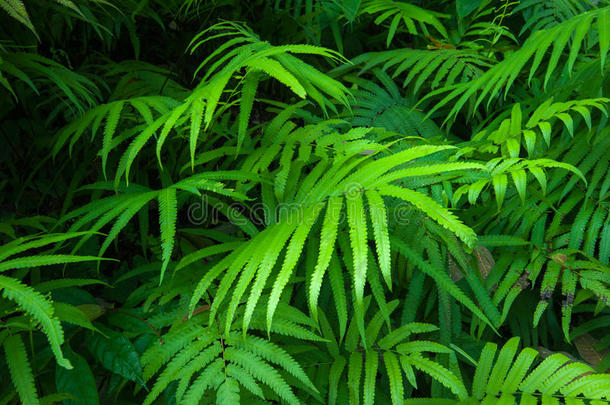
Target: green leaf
x=245 y=105
x=262 y=372
x=354 y=376
x=358 y=242
x=35 y=304
x=16 y=9
x=371 y=363
x=79 y=382
x=443 y=280
x=168 y=212
x=465 y=7
x=395 y=377
x=327 y=246
x=228 y=393
x=71 y=314
x=20 y=370
x=431 y=208
x=44 y=260
x=117 y=354
x=379 y=219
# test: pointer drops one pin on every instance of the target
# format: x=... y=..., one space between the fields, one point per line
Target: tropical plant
x=314 y=201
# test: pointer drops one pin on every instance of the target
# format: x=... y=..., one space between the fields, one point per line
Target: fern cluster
x=304 y=201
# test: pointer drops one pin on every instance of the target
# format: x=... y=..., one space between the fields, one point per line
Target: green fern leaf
x=327 y=245
x=273 y=354
x=248 y=93
x=293 y=252
x=228 y=392
x=262 y=372
x=371 y=363
x=203 y=381
x=395 y=377
x=44 y=260
x=379 y=219
x=354 y=375
x=168 y=212
x=112 y=119
x=439 y=373
x=196 y=116
x=431 y=208
x=443 y=280
x=358 y=241
x=38 y=307
x=20 y=370
x=245 y=379
x=334 y=377
x=16 y=9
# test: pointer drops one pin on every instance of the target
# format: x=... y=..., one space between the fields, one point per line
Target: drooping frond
x=500 y=77
x=20 y=370
x=407 y=14
x=32 y=302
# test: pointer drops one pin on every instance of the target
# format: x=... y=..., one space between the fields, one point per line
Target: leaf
x=327 y=245
x=117 y=354
x=168 y=212
x=44 y=260
x=71 y=314
x=431 y=208
x=465 y=7
x=358 y=242
x=36 y=305
x=16 y=9
x=395 y=377
x=20 y=369
x=439 y=373
x=274 y=354
x=262 y=372
x=274 y=69
x=196 y=117
x=586 y=346
x=111 y=123
x=349 y=7
x=370 y=375
x=79 y=382
x=245 y=105
x=228 y=392
x=334 y=377
x=354 y=376
x=293 y=253
x=379 y=219
x=443 y=280
x=603 y=25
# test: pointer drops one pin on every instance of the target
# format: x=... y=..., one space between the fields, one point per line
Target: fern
x=406 y=13
x=290 y=226
x=555 y=375
x=503 y=74
x=20 y=369
x=250 y=361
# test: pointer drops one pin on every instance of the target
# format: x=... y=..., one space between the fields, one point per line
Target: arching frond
x=500 y=77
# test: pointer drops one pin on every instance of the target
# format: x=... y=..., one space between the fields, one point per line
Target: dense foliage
x=304 y=201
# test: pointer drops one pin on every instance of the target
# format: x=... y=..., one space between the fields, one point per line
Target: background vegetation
x=304 y=201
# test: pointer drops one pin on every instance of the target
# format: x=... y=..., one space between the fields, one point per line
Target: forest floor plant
x=304 y=201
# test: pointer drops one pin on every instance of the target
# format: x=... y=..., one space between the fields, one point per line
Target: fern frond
x=167 y=221
x=406 y=13
x=32 y=302
x=503 y=74
x=382 y=237
x=261 y=371
x=445 y=218
x=273 y=354
x=20 y=370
